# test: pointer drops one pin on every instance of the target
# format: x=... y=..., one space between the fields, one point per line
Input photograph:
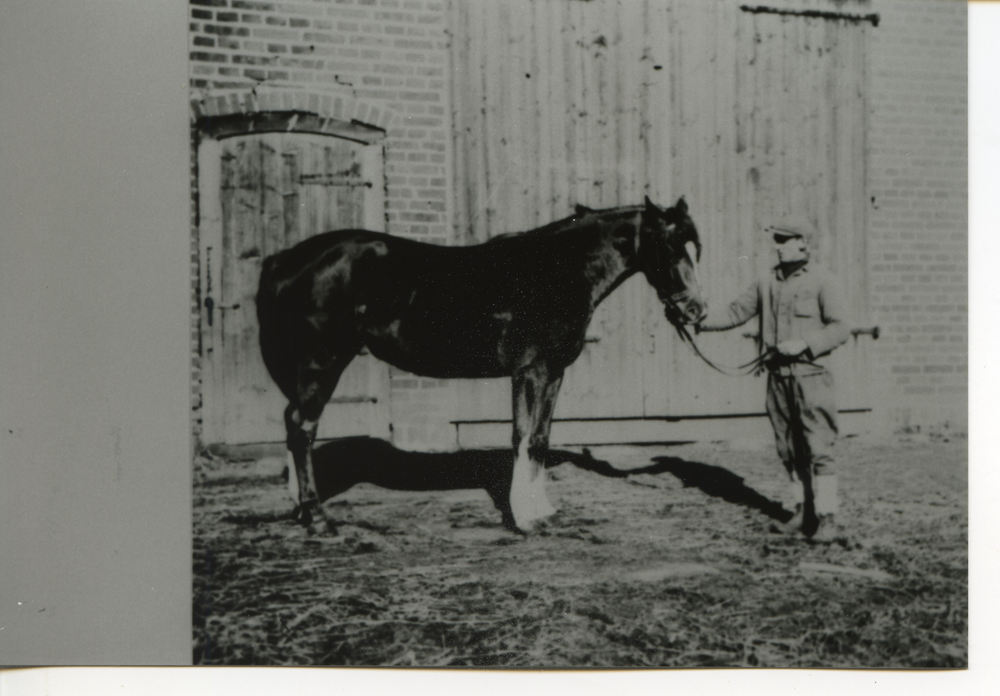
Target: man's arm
x=835 y=326
x=722 y=317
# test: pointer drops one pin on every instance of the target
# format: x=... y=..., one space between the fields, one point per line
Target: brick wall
x=392 y=54
x=918 y=222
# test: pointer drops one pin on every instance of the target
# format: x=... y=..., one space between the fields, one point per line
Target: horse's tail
x=270 y=323
x=267 y=295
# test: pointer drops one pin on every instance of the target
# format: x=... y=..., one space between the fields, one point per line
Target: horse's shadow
x=339 y=465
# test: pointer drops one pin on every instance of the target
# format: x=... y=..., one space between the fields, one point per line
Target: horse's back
x=429 y=309
x=310 y=254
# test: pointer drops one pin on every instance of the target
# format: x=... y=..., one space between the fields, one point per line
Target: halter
x=656 y=268
x=654 y=264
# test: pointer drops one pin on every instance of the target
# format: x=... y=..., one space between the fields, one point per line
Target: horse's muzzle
x=696 y=312
x=684 y=309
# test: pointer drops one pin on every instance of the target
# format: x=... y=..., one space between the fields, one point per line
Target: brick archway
x=231 y=112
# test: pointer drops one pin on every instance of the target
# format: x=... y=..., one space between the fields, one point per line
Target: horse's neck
x=612 y=259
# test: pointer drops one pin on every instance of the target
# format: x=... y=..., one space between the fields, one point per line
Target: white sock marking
x=293 y=479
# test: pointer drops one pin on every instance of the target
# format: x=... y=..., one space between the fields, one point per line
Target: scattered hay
x=657 y=575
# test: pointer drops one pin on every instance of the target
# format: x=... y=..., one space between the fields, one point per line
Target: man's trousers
x=803 y=413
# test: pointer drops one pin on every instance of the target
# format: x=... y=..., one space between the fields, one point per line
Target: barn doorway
x=259 y=193
x=750 y=112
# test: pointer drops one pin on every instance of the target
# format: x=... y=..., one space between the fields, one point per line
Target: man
x=800 y=323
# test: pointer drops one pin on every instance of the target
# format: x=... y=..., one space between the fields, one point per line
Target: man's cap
x=786 y=229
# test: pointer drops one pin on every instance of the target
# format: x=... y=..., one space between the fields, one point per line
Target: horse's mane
x=575 y=221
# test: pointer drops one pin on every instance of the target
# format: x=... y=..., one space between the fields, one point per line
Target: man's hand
x=793 y=348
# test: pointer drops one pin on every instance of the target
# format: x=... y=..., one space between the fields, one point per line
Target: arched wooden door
x=259 y=194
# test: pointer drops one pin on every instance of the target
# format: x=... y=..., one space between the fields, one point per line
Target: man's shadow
x=339 y=465
x=717 y=482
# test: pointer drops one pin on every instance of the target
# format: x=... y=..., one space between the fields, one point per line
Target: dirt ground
x=662 y=559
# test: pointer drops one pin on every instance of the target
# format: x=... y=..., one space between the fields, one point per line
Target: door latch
x=210 y=306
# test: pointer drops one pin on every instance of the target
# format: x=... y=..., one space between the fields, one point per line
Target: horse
x=517 y=305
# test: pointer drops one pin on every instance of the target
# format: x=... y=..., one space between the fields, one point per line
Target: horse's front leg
x=534 y=390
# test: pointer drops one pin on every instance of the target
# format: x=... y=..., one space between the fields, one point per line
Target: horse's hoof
x=323 y=528
x=529 y=515
x=507 y=520
x=539 y=525
x=302 y=515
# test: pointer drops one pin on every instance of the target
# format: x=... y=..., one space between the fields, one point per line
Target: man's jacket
x=804 y=305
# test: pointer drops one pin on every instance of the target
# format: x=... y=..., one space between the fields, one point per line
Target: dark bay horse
x=517 y=305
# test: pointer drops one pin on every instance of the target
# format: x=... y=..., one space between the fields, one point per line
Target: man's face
x=791 y=249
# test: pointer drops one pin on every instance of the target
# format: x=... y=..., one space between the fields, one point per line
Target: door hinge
x=332 y=180
x=816 y=14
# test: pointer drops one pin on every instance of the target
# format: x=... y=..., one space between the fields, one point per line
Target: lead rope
x=754 y=367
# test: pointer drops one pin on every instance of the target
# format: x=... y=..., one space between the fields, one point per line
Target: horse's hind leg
x=314 y=387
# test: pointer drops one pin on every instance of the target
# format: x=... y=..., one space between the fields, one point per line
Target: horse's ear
x=682 y=205
x=582 y=209
x=652 y=208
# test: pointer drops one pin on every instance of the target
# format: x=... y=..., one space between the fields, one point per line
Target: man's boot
x=796 y=493
x=827 y=504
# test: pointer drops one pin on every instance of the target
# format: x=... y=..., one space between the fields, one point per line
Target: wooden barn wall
x=747 y=115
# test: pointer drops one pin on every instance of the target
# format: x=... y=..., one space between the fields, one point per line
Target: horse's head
x=669 y=251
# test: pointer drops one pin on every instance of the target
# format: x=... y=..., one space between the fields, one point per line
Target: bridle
x=653 y=261
x=654 y=254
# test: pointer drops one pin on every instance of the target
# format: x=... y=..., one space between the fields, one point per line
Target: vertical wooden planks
x=553 y=109
x=211 y=167
x=574 y=106
x=510 y=202
x=329 y=199
x=272 y=187
x=731 y=234
x=232 y=158
x=290 y=207
x=461 y=115
x=823 y=197
x=577 y=49
x=684 y=32
x=538 y=83
x=478 y=170
x=750 y=116
x=629 y=66
x=241 y=230
x=494 y=30
x=601 y=48
x=659 y=171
